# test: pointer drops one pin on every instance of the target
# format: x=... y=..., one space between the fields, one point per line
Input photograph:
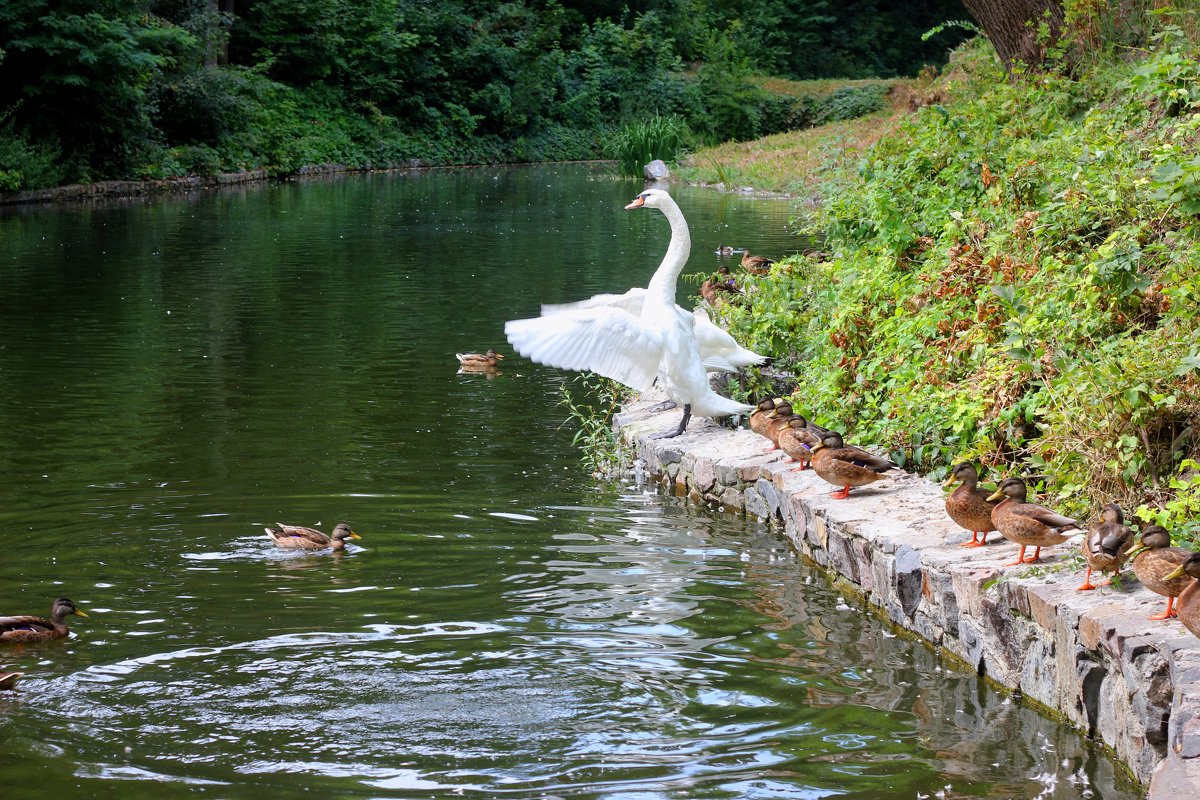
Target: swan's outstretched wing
x=718 y=347
x=604 y=340
x=631 y=302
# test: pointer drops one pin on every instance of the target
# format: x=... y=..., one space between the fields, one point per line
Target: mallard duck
x=724 y=250
x=656 y=343
x=1028 y=524
x=968 y=505
x=846 y=466
x=39 y=629
x=756 y=265
x=296 y=537
x=799 y=439
x=1156 y=562
x=726 y=280
x=719 y=288
x=8 y=680
x=489 y=359
x=1105 y=545
x=760 y=417
x=1188 y=607
x=780 y=417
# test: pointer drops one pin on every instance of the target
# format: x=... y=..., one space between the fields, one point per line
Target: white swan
x=633 y=348
x=719 y=351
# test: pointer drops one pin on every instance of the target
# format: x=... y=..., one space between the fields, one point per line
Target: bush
x=25 y=165
x=1013 y=279
x=204 y=106
x=641 y=142
x=851 y=102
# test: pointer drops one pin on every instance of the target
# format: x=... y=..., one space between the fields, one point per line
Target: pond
x=179 y=373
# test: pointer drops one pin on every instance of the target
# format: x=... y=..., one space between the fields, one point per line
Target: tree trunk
x=1015 y=27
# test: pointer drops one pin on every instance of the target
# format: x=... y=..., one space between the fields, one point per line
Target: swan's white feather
x=716 y=343
x=635 y=337
x=604 y=340
x=719 y=351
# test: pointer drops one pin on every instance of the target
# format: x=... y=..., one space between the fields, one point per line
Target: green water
x=176 y=374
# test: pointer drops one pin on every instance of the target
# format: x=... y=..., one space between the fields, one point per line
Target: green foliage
x=1013 y=280
x=85 y=67
x=26 y=165
x=591 y=402
x=643 y=141
x=161 y=87
x=851 y=102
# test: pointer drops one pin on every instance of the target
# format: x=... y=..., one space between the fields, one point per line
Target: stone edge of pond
x=111 y=190
x=1093 y=657
x=102 y=190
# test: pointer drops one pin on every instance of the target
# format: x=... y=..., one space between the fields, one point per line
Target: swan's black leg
x=687 y=415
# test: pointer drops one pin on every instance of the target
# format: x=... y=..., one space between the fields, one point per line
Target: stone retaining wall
x=1091 y=656
x=110 y=189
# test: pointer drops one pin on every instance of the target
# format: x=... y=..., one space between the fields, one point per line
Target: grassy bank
x=1011 y=274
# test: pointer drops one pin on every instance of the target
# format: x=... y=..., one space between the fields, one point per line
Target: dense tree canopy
x=100 y=88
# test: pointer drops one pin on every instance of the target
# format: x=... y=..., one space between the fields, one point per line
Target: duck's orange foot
x=1168 y=612
x=975 y=540
x=840 y=494
x=1087 y=582
x=1020 y=559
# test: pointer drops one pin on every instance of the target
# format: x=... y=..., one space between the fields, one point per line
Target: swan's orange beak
x=638 y=202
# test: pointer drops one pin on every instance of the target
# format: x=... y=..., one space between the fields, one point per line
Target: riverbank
x=111 y=189
x=1008 y=276
x=1091 y=657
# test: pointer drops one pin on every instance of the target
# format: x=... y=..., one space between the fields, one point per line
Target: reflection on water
x=178 y=375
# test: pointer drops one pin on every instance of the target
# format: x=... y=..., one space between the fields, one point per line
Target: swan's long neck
x=661 y=290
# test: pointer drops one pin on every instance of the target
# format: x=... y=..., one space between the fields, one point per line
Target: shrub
x=641 y=142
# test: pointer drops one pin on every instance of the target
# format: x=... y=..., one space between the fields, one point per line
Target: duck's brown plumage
x=297 y=537
x=489 y=359
x=779 y=419
x=39 y=629
x=847 y=466
x=799 y=439
x=1104 y=548
x=968 y=504
x=1155 y=563
x=1028 y=524
x=1188 y=606
x=756 y=265
x=8 y=680
x=761 y=416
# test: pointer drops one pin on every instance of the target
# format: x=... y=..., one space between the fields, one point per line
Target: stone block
x=1092 y=656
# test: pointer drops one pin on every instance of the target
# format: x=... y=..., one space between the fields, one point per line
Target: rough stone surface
x=1091 y=656
x=656 y=170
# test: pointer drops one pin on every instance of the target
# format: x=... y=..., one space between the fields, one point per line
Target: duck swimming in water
x=40 y=629
x=297 y=537
x=489 y=359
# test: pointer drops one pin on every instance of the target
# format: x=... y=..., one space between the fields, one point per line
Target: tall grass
x=658 y=137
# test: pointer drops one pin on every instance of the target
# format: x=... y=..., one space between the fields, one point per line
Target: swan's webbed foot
x=687 y=415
